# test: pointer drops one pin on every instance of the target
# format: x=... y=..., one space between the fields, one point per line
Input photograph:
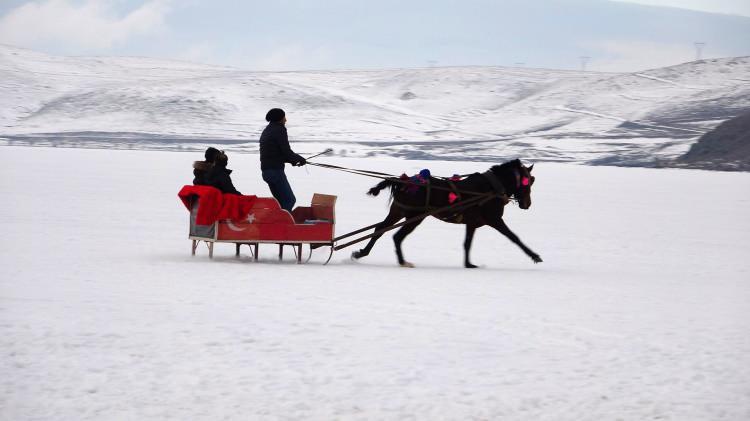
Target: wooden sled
x=268 y=223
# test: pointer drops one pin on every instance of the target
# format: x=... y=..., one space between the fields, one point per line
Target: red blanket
x=215 y=206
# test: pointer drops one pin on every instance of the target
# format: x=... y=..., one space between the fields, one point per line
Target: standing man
x=274 y=152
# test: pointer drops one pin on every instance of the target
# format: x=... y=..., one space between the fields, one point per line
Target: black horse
x=485 y=196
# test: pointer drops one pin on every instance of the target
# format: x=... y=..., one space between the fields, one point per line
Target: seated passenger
x=201 y=168
x=218 y=175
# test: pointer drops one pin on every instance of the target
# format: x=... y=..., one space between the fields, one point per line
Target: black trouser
x=280 y=188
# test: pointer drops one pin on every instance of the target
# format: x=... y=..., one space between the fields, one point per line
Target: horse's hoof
x=356 y=255
x=406 y=265
x=536 y=258
x=470 y=266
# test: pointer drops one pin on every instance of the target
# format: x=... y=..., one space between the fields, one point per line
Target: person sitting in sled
x=219 y=176
x=274 y=152
x=201 y=168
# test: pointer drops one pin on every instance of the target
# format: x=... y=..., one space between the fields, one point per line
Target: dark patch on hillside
x=727 y=147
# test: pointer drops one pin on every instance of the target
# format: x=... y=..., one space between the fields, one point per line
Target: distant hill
x=727 y=147
x=473 y=113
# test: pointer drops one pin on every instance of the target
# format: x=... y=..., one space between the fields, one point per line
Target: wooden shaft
x=466 y=204
x=340 y=237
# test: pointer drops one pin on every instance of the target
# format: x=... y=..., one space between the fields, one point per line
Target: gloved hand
x=300 y=163
x=505 y=199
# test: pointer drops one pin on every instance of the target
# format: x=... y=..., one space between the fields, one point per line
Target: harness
x=454 y=210
x=495 y=182
x=428 y=187
x=454 y=196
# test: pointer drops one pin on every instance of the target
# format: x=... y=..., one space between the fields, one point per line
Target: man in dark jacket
x=219 y=176
x=274 y=152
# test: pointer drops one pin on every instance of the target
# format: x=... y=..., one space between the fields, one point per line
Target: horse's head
x=524 y=181
x=517 y=180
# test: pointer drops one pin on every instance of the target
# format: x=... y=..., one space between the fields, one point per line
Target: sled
x=268 y=223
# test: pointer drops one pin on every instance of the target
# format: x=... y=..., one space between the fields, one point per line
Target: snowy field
x=639 y=311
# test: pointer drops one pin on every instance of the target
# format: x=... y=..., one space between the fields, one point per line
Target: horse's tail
x=383 y=184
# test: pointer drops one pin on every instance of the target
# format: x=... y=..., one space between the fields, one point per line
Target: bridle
x=523 y=183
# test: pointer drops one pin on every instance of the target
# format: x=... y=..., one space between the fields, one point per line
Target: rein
x=391 y=177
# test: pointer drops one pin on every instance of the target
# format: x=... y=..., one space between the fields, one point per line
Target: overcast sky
x=339 y=34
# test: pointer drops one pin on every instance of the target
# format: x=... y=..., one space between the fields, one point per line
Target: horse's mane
x=506 y=166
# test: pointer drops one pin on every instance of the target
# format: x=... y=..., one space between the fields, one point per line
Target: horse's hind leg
x=470 y=229
x=398 y=238
x=394 y=215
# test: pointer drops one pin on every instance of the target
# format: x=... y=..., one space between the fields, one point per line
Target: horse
x=485 y=196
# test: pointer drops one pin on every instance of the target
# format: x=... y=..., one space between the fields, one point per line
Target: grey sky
x=336 y=34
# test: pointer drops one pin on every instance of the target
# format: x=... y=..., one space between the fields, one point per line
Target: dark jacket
x=200 y=171
x=275 y=149
x=218 y=177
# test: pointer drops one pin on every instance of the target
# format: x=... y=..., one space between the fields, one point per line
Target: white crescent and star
x=250 y=218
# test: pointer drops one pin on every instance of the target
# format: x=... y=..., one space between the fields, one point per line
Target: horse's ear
x=531 y=167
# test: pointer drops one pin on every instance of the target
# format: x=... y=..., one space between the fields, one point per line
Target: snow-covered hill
x=451 y=113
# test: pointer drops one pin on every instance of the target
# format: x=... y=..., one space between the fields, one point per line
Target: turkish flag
x=215 y=205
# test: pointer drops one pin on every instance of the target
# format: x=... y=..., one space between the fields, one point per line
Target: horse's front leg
x=500 y=225
x=470 y=229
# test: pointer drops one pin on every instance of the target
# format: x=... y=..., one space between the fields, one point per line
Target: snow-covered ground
x=639 y=311
x=460 y=113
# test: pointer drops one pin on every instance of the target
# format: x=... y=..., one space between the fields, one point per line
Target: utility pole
x=584 y=61
x=699 y=50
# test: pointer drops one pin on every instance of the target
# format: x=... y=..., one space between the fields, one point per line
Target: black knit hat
x=275 y=115
x=211 y=154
